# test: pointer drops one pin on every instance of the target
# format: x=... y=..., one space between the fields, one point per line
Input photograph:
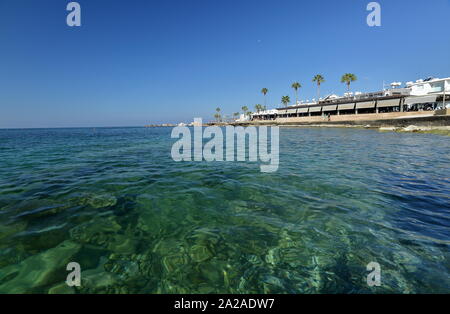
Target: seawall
x=393 y=119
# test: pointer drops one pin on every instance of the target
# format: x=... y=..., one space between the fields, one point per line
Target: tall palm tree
x=348 y=78
x=285 y=100
x=296 y=86
x=319 y=79
x=264 y=91
x=244 y=110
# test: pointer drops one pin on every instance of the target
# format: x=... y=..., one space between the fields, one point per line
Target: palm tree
x=245 y=110
x=264 y=91
x=236 y=115
x=319 y=79
x=217 y=115
x=296 y=86
x=258 y=108
x=348 y=78
x=285 y=100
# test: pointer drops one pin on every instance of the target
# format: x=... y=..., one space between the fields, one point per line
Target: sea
x=113 y=201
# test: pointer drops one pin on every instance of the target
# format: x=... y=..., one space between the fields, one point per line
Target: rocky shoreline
x=434 y=124
x=440 y=130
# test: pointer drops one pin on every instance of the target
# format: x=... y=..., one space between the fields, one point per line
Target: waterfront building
x=423 y=95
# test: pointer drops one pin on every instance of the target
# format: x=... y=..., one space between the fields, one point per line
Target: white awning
x=315 y=109
x=303 y=110
x=420 y=100
x=330 y=108
x=290 y=111
x=365 y=105
x=347 y=106
x=283 y=111
x=388 y=103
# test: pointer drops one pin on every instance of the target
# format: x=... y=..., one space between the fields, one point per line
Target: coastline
x=436 y=123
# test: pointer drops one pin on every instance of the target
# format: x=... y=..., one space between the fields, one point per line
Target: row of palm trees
x=236 y=115
x=347 y=78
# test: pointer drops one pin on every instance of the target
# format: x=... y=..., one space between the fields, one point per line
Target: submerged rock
x=273 y=256
x=40 y=270
x=97 y=231
x=122 y=244
x=98 y=280
x=61 y=288
x=97 y=200
x=174 y=263
x=200 y=253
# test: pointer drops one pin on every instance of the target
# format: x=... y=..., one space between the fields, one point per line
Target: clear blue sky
x=134 y=62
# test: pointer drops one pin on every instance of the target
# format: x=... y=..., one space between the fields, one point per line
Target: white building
x=266 y=114
x=429 y=87
x=243 y=118
x=430 y=90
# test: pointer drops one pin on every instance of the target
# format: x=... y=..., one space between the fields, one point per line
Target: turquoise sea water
x=113 y=200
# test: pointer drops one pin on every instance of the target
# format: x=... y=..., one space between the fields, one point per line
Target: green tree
x=296 y=86
x=258 y=108
x=348 y=78
x=264 y=91
x=319 y=79
x=285 y=100
x=244 y=110
x=217 y=115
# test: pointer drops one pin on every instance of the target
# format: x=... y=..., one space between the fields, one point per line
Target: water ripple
x=138 y=222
